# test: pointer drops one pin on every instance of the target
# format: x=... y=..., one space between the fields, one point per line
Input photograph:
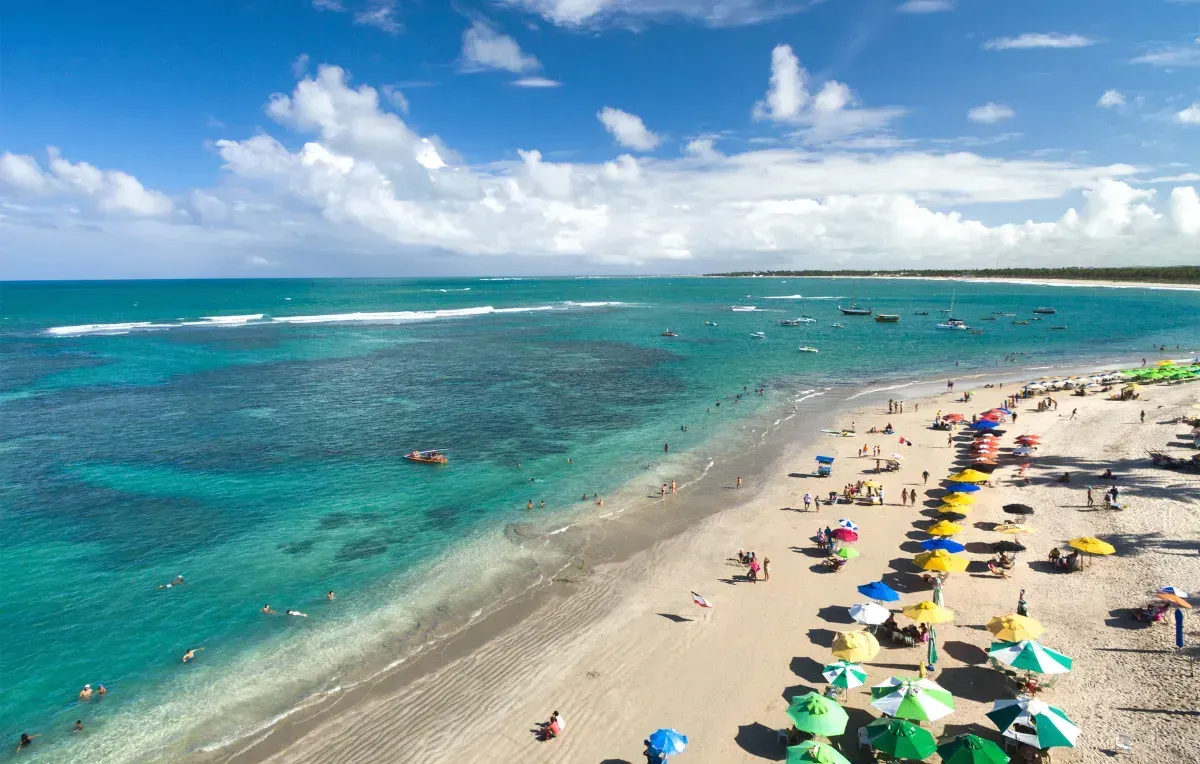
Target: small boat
x=743 y=308
x=710 y=323
x=1037 y=318
x=951 y=322
x=921 y=313
x=758 y=335
x=1045 y=311
x=807 y=349
x=669 y=333
x=1002 y=313
x=789 y=322
x=854 y=309
x=838 y=326
x=887 y=318
x=988 y=318
x=432 y=456
x=1058 y=327
x=1021 y=323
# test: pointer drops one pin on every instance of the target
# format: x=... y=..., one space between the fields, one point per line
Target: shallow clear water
x=260 y=458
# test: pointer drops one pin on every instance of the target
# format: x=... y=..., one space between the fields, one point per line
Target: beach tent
x=824 y=466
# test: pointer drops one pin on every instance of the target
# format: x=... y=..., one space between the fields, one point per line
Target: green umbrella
x=900 y=739
x=1051 y=726
x=971 y=749
x=1030 y=655
x=817 y=715
x=845 y=675
x=810 y=752
x=847 y=553
x=920 y=699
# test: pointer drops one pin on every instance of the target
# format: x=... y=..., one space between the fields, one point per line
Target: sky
x=275 y=138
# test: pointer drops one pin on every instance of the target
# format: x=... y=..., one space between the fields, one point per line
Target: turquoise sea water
x=260 y=457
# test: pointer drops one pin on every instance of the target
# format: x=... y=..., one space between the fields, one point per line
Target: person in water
x=100 y=691
x=85 y=694
x=190 y=655
x=78 y=726
x=266 y=610
x=26 y=739
x=330 y=595
x=529 y=508
x=177 y=582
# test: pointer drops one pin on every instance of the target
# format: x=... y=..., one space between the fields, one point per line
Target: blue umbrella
x=984 y=424
x=962 y=488
x=668 y=741
x=942 y=543
x=878 y=590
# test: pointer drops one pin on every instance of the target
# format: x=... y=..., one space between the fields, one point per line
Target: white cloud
x=1171 y=56
x=1040 y=40
x=1187 y=177
x=1111 y=99
x=536 y=82
x=328 y=5
x=111 y=191
x=926 y=6
x=990 y=113
x=627 y=129
x=716 y=13
x=300 y=66
x=1190 y=115
x=831 y=114
x=380 y=14
x=363 y=181
x=396 y=98
x=485 y=48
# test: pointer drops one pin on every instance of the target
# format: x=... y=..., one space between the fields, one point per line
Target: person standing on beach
x=1143 y=416
x=739 y=482
x=807 y=501
x=925 y=477
x=766 y=569
x=950 y=440
x=673 y=488
x=903 y=496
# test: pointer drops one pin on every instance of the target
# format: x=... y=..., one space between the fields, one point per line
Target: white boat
x=743 y=308
x=758 y=335
x=710 y=323
x=951 y=322
x=807 y=349
x=838 y=326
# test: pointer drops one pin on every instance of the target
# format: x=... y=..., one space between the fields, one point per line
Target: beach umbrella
x=953 y=509
x=1013 y=528
x=1174 y=598
x=812 y=752
x=869 y=613
x=817 y=715
x=1014 y=628
x=986 y=466
x=942 y=543
x=900 y=739
x=668 y=741
x=971 y=749
x=1092 y=545
x=984 y=424
x=855 y=646
x=958 y=498
x=872 y=484
x=928 y=612
x=848 y=524
x=940 y=560
x=943 y=528
x=1023 y=451
x=952 y=417
x=878 y=590
x=846 y=553
x=1030 y=655
x=969 y=476
x=1007 y=546
x=1052 y=727
x=962 y=488
x=1174 y=590
x=921 y=700
x=845 y=675
x=844 y=534
x=1018 y=509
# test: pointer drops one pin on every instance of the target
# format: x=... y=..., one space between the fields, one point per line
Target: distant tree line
x=1171 y=274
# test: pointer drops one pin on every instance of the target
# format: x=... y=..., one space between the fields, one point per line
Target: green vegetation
x=1172 y=274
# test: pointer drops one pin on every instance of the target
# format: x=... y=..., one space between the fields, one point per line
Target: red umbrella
x=844 y=534
x=1030 y=439
x=993 y=417
x=953 y=418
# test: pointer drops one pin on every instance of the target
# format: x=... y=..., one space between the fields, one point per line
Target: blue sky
x=165 y=93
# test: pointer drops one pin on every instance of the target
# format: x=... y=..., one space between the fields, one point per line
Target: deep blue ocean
x=248 y=435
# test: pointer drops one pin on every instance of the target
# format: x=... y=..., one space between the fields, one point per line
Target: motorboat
x=1002 y=313
x=758 y=335
x=1045 y=311
x=789 y=322
x=432 y=456
x=1021 y=323
x=807 y=349
x=837 y=326
x=669 y=333
x=854 y=309
x=743 y=308
x=887 y=318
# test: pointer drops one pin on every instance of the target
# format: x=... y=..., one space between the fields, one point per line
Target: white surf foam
x=225 y=320
x=883 y=389
x=63 y=331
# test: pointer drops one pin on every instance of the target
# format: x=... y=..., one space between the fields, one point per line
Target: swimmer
x=330 y=595
x=100 y=691
x=530 y=507
x=177 y=582
x=543 y=504
x=266 y=610
x=26 y=739
x=297 y=613
x=85 y=694
x=570 y=460
x=191 y=654
x=78 y=726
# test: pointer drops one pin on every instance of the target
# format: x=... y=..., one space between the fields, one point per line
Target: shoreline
x=1097 y=283
x=524 y=613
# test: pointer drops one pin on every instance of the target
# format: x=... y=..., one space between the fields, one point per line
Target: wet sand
x=620 y=650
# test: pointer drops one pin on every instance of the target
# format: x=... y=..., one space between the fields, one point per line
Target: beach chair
x=1124 y=744
x=864 y=739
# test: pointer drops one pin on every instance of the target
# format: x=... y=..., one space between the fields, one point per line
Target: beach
x=620 y=649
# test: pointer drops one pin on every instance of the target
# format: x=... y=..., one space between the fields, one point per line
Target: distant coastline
x=1183 y=277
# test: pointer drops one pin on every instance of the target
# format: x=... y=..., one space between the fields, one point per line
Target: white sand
x=617 y=658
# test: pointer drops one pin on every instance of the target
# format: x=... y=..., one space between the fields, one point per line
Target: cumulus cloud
x=715 y=13
x=346 y=174
x=990 y=113
x=926 y=6
x=483 y=47
x=1190 y=115
x=1111 y=99
x=628 y=129
x=111 y=191
x=832 y=113
x=1040 y=40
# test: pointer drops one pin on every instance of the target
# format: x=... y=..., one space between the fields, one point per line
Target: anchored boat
x=887 y=318
x=432 y=456
x=854 y=309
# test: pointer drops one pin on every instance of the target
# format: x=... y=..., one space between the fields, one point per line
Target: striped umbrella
x=848 y=524
x=1030 y=655
x=845 y=675
x=1052 y=727
x=920 y=700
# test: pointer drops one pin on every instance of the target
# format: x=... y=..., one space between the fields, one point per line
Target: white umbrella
x=849 y=525
x=1174 y=590
x=869 y=613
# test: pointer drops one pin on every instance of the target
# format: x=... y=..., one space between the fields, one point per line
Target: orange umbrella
x=1174 y=599
x=952 y=418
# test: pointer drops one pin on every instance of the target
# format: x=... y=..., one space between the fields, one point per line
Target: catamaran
x=951 y=322
x=854 y=309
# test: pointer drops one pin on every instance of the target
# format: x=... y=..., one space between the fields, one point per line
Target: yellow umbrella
x=944 y=528
x=953 y=509
x=1092 y=545
x=940 y=560
x=1165 y=363
x=970 y=476
x=871 y=484
x=928 y=612
x=958 y=498
x=1014 y=628
x=1011 y=528
x=855 y=646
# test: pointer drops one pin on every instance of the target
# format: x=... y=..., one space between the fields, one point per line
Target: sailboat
x=951 y=322
x=854 y=310
x=807 y=348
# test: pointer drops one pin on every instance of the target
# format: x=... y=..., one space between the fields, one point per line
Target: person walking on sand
x=1143 y=416
x=912 y=498
x=925 y=477
x=950 y=440
x=674 y=491
x=1091 y=500
x=1074 y=412
x=903 y=497
x=807 y=501
x=766 y=569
